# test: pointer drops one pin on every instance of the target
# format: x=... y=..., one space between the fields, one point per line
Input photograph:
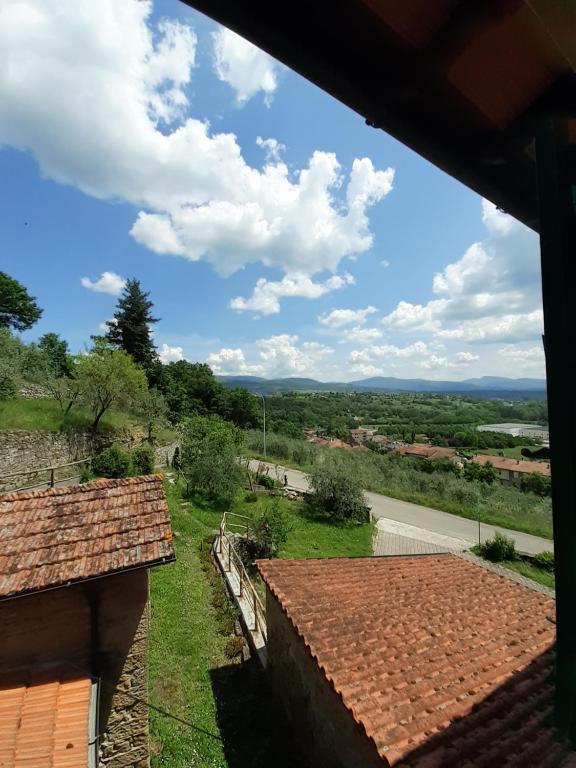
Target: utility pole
x=264 y=421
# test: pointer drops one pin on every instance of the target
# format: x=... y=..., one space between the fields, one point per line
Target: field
x=227 y=714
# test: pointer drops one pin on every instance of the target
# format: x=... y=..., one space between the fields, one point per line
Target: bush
x=251 y=497
x=86 y=475
x=143 y=460
x=534 y=482
x=265 y=536
x=112 y=462
x=176 y=462
x=234 y=647
x=265 y=481
x=497 y=550
x=8 y=389
x=544 y=560
x=337 y=493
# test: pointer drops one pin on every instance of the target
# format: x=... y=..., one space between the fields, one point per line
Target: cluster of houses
x=509 y=471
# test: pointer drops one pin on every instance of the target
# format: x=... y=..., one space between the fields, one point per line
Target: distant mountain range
x=485 y=386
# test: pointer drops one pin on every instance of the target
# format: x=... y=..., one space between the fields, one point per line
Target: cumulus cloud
x=266 y=295
x=387 y=351
x=272 y=149
x=170 y=354
x=281 y=355
x=97 y=94
x=359 y=335
x=523 y=355
x=340 y=317
x=492 y=293
x=108 y=282
x=242 y=65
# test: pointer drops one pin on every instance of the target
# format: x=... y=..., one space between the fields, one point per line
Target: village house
x=361 y=435
x=510 y=471
x=412 y=661
x=74 y=580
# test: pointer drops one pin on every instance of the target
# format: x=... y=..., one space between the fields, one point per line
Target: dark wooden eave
x=461 y=82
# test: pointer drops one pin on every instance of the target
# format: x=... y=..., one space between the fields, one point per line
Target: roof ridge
x=103 y=482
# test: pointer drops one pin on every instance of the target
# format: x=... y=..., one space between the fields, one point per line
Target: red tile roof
x=61 y=535
x=427 y=451
x=44 y=721
x=516 y=465
x=441 y=661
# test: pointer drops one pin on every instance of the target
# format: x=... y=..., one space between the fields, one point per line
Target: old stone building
x=74 y=568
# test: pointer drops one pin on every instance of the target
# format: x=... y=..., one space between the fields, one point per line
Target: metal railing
x=50 y=482
x=231 y=559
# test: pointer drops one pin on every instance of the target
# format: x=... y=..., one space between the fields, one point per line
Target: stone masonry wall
x=23 y=451
x=324 y=728
x=123 y=645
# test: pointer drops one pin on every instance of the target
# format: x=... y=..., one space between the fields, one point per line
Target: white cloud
x=108 y=282
x=359 y=335
x=98 y=95
x=272 y=149
x=415 y=317
x=277 y=356
x=170 y=354
x=388 y=351
x=491 y=294
x=508 y=328
x=242 y=65
x=530 y=354
x=266 y=295
x=232 y=361
x=466 y=357
x=385 y=263
x=340 y=317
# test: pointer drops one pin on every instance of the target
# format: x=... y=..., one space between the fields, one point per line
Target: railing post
x=255 y=610
x=229 y=560
x=52 y=477
x=241 y=581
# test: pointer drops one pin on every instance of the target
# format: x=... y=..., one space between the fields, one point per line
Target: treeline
x=120 y=369
x=446 y=419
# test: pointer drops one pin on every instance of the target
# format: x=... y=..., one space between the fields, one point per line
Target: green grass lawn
x=190 y=675
x=511 y=453
x=525 y=568
x=45 y=414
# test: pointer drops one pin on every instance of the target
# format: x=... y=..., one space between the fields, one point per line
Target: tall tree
x=18 y=309
x=55 y=350
x=130 y=328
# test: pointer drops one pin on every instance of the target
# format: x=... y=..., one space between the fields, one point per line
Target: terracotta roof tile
x=44 y=720
x=441 y=661
x=52 y=537
x=516 y=465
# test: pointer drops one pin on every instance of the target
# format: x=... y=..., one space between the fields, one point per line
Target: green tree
x=130 y=328
x=155 y=412
x=240 y=407
x=109 y=378
x=537 y=483
x=209 y=450
x=483 y=473
x=55 y=351
x=336 y=492
x=18 y=309
x=191 y=388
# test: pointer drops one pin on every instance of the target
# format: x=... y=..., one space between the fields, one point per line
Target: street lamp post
x=264 y=421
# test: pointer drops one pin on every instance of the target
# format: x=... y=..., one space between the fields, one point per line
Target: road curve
x=433 y=520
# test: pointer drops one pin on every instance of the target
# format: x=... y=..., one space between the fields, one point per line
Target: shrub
x=534 y=482
x=8 y=389
x=265 y=536
x=544 y=560
x=266 y=481
x=497 y=549
x=112 y=462
x=143 y=460
x=337 y=493
x=234 y=647
x=251 y=497
x=176 y=462
x=86 y=475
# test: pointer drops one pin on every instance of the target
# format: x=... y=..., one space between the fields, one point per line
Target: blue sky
x=277 y=234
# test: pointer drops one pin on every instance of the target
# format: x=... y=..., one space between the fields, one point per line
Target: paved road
x=429 y=519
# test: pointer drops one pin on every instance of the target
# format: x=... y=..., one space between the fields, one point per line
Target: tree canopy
x=130 y=328
x=18 y=310
x=109 y=378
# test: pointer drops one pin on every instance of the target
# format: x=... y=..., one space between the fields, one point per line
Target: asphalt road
x=429 y=519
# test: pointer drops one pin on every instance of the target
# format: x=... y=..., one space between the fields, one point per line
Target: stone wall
x=27 y=451
x=324 y=728
x=123 y=619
